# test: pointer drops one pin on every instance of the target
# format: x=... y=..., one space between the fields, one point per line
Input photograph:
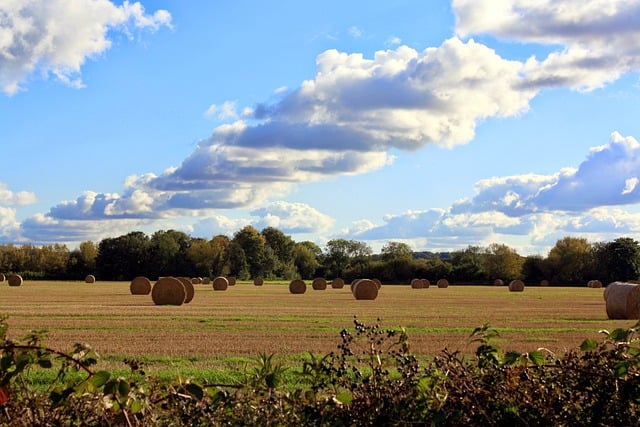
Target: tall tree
x=502 y=262
x=252 y=244
x=220 y=257
x=124 y=257
x=568 y=260
x=305 y=260
x=623 y=259
x=281 y=246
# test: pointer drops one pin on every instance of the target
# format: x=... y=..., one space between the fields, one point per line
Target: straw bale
x=594 y=284
x=258 y=281
x=545 y=282
x=168 y=291
x=337 y=283
x=622 y=300
x=188 y=288
x=140 y=286
x=516 y=286
x=220 y=283
x=196 y=281
x=90 y=278
x=416 y=284
x=206 y=281
x=365 y=289
x=442 y=283
x=425 y=283
x=14 y=280
x=232 y=280
x=378 y=283
x=297 y=286
x=498 y=282
x=2 y=278
x=319 y=284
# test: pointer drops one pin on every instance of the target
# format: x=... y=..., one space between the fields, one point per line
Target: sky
x=440 y=124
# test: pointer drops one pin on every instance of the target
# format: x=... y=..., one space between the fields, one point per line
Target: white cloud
x=12 y=198
x=214 y=225
x=630 y=185
x=225 y=111
x=599 y=39
x=57 y=36
x=292 y=218
x=9 y=225
x=355 y=32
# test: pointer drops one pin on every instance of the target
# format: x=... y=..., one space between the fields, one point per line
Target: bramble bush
x=372 y=379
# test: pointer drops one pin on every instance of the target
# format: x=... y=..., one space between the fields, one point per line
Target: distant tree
x=238 y=266
x=252 y=244
x=200 y=255
x=220 y=257
x=124 y=257
x=168 y=253
x=568 y=260
x=623 y=259
x=502 y=262
x=467 y=264
x=535 y=269
x=282 y=250
x=305 y=260
x=342 y=254
x=396 y=251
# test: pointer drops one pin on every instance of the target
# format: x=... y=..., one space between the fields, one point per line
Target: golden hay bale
x=442 y=283
x=196 y=281
x=168 y=291
x=206 y=281
x=498 y=282
x=140 y=286
x=14 y=280
x=232 y=280
x=353 y=282
x=425 y=283
x=622 y=300
x=258 y=281
x=297 y=286
x=2 y=277
x=545 y=282
x=188 y=289
x=319 y=284
x=220 y=283
x=416 y=284
x=516 y=286
x=594 y=284
x=90 y=278
x=378 y=283
x=365 y=289
x=337 y=283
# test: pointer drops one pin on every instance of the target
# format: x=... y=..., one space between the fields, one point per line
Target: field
x=220 y=329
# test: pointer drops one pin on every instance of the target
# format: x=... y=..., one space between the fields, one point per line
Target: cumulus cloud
x=292 y=218
x=599 y=40
x=214 y=225
x=12 y=198
x=57 y=36
x=9 y=225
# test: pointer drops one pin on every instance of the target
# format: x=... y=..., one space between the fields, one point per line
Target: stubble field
x=218 y=327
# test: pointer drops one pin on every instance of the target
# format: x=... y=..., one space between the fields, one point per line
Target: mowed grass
x=224 y=330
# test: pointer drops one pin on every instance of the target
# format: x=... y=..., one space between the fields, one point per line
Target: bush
x=372 y=379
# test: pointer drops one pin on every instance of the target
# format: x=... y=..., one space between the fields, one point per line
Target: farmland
x=222 y=326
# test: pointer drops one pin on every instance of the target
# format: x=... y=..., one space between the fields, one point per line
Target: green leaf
x=100 y=378
x=537 y=358
x=619 y=335
x=110 y=387
x=344 y=397
x=45 y=363
x=136 y=407
x=123 y=387
x=589 y=344
x=621 y=369
x=511 y=357
x=634 y=351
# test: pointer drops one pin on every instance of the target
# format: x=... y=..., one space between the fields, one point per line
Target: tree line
x=270 y=254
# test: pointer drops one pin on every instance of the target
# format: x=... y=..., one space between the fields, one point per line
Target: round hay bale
x=2 y=277
x=297 y=286
x=516 y=286
x=365 y=289
x=168 y=291
x=378 y=283
x=337 y=283
x=206 y=281
x=196 y=281
x=425 y=283
x=622 y=300
x=220 y=283
x=14 y=280
x=90 y=278
x=353 y=282
x=498 y=282
x=232 y=280
x=140 y=286
x=319 y=284
x=416 y=284
x=188 y=289
x=594 y=284
x=258 y=281
x=442 y=283
x=545 y=282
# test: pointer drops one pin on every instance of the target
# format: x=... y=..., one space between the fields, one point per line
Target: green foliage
x=371 y=379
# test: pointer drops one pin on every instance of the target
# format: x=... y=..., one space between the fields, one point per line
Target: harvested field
x=248 y=319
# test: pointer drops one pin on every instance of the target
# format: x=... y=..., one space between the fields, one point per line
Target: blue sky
x=441 y=124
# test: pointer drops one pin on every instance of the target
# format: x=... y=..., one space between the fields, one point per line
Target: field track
x=246 y=320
